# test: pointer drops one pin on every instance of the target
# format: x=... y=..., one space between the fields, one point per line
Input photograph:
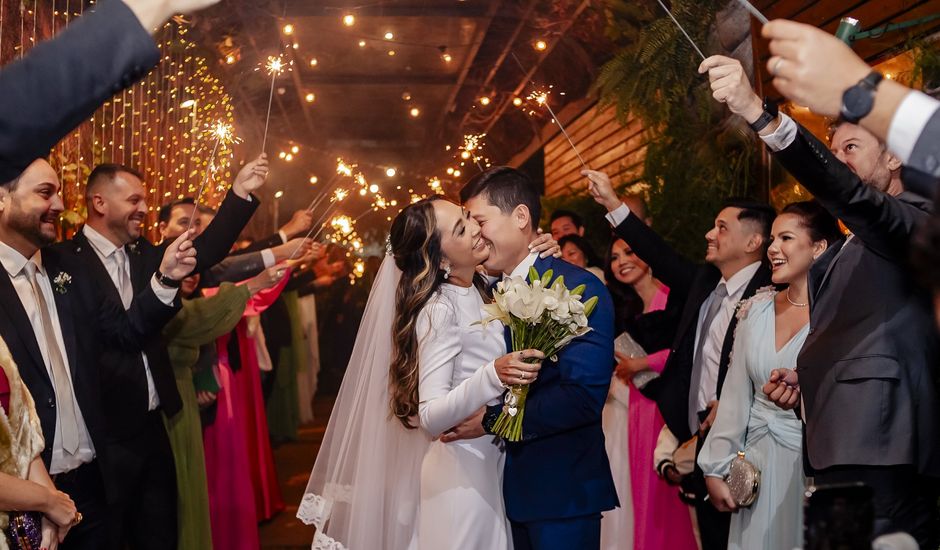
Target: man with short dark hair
x=139 y=388
x=865 y=378
x=689 y=388
x=561 y=432
x=566 y=222
x=60 y=325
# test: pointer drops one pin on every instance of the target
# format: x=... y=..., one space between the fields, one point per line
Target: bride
x=421 y=364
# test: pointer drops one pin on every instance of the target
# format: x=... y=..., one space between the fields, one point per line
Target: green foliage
x=696 y=155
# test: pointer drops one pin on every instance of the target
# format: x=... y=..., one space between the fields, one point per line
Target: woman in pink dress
x=660 y=519
x=240 y=473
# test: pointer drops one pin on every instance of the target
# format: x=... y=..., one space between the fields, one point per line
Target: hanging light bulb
x=288 y=29
x=349 y=20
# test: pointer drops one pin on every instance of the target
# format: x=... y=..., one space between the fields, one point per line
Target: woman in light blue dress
x=770 y=333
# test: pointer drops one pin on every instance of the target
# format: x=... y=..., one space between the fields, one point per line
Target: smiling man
x=688 y=390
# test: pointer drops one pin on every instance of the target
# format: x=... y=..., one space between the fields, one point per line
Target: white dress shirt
x=15 y=265
x=711 y=351
x=715 y=339
x=110 y=256
x=522 y=270
x=908 y=122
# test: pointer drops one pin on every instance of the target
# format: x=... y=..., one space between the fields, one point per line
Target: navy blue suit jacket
x=560 y=468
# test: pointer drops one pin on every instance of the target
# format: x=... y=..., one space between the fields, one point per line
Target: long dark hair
x=627 y=303
x=590 y=257
x=416 y=246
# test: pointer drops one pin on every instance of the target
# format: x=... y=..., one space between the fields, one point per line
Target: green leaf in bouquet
x=560 y=281
x=533 y=275
x=589 y=306
x=579 y=290
x=546 y=277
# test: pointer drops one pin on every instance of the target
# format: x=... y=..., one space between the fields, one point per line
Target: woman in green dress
x=200 y=322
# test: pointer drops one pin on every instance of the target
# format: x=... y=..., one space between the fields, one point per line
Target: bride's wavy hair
x=416 y=246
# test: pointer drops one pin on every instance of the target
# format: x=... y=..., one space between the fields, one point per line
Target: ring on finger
x=523 y=375
x=776 y=67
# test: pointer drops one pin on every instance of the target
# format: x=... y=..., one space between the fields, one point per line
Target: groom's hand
x=471 y=428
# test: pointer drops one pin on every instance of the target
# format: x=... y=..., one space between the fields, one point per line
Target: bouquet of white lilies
x=540 y=316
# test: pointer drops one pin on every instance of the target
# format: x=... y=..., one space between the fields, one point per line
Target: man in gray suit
x=815 y=69
x=865 y=383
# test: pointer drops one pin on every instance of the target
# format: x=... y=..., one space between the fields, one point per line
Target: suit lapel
x=16 y=316
x=63 y=304
x=90 y=258
x=821 y=269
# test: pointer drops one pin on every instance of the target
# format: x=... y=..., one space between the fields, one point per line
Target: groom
x=557 y=479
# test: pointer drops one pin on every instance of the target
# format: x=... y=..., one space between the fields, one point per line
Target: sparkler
x=274 y=66
x=471 y=143
x=342 y=169
x=541 y=97
x=689 y=38
x=338 y=196
x=754 y=11
x=223 y=134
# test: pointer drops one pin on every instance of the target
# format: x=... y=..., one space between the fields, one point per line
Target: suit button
x=51 y=402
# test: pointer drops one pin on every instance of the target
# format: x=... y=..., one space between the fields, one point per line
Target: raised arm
x=670 y=267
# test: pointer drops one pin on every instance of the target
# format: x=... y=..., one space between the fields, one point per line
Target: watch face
x=856 y=103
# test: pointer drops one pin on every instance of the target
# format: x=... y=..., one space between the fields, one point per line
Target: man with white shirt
x=819 y=71
x=864 y=381
x=689 y=388
x=54 y=319
x=139 y=388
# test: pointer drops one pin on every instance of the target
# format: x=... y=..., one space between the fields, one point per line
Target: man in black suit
x=137 y=386
x=54 y=88
x=866 y=371
x=688 y=390
x=55 y=320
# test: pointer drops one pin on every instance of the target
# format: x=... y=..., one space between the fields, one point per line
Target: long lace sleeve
x=441 y=407
x=728 y=433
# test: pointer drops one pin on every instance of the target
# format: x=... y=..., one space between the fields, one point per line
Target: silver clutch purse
x=744 y=480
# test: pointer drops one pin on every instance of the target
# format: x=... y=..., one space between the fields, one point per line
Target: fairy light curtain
x=162 y=126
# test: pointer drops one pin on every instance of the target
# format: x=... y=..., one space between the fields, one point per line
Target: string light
x=389 y=35
x=541 y=45
x=362 y=43
x=415 y=112
x=485 y=100
x=310 y=97
x=314 y=180
x=390 y=172
x=288 y=29
x=313 y=62
x=349 y=20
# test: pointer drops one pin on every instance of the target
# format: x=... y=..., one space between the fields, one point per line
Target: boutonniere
x=62 y=282
x=132 y=247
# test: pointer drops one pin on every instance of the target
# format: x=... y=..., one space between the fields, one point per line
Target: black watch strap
x=167 y=281
x=858 y=101
x=769 y=115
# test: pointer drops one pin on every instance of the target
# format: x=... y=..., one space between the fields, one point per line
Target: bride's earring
x=446 y=272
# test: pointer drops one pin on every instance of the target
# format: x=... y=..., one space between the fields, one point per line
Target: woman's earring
x=446 y=272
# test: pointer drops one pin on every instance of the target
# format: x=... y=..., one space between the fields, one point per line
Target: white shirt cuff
x=165 y=295
x=908 y=123
x=617 y=216
x=283 y=236
x=783 y=136
x=268 y=256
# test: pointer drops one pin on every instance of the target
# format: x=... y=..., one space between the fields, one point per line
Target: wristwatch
x=167 y=281
x=858 y=100
x=770 y=113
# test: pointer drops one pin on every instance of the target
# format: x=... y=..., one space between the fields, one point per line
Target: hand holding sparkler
x=251 y=177
x=268 y=278
x=179 y=258
x=731 y=86
x=293 y=248
x=299 y=223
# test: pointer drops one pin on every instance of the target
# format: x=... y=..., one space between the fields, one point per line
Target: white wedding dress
x=461 y=504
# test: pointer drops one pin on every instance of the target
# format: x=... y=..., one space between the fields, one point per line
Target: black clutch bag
x=25 y=531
